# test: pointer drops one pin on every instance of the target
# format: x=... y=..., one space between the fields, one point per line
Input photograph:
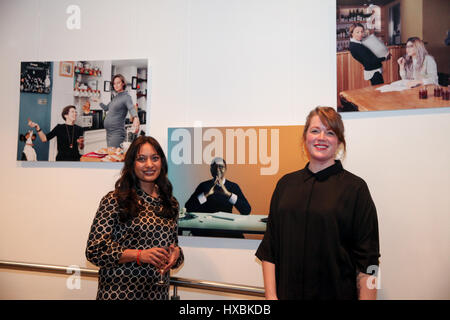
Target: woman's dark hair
x=128 y=183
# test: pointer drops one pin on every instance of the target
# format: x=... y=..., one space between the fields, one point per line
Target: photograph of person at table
x=116 y=113
x=69 y=136
x=218 y=194
x=322 y=240
x=417 y=65
x=373 y=70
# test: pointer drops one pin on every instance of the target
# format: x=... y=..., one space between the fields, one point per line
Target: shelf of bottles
x=85 y=80
x=344 y=19
x=86 y=93
x=96 y=72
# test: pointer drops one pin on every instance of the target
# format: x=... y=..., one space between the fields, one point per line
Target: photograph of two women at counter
x=416 y=66
x=384 y=43
x=86 y=134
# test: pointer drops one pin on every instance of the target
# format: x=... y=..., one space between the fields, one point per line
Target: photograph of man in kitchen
x=108 y=108
x=373 y=43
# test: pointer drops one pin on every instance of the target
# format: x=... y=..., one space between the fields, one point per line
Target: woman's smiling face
x=147 y=166
x=321 y=142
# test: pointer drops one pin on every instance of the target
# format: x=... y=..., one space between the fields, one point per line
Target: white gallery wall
x=224 y=63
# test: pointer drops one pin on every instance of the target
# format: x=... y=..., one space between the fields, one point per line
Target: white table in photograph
x=253 y=223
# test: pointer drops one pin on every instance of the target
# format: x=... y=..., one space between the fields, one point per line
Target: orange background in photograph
x=257 y=188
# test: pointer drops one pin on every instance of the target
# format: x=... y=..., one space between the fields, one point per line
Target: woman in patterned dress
x=134 y=233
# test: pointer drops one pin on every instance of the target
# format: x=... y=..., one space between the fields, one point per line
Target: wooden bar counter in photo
x=370 y=99
x=350 y=73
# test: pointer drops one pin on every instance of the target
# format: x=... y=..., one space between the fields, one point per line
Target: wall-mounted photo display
x=223 y=178
x=83 y=111
x=392 y=54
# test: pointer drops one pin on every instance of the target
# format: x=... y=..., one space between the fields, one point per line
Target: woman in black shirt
x=321 y=240
x=68 y=135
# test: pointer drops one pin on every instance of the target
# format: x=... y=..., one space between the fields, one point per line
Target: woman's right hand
x=155 y=256
x=32 y=124
x=401 y=62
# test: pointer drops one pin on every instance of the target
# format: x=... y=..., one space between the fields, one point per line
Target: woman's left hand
x=173 y=257
x=414 y=83
x=136 y=125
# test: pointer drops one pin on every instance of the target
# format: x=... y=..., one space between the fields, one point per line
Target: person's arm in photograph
x=431 y=74
x=80 y=140
x=401 y=64
x=364 y=56
x=102 y=105
x=238 y=199
x=39 y=131
x=136 y=125
x=356 y=52
x=133 y=113
x=198 y=198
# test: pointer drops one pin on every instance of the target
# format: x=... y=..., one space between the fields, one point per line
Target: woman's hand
x=80 y=141
x=136 y=125
x=32 y=124
x=155 y=256
x=174 y=255
x=401 y=62
x=414 y=83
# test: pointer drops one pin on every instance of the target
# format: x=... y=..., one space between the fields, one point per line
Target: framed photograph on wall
x=375 y=70
x=35 y=77
x=134 y=83
x=66 y=68
x=107 y=86
x=47 y=101
x=195 y=166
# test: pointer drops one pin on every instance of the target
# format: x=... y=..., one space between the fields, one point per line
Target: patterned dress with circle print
x=109 y=237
